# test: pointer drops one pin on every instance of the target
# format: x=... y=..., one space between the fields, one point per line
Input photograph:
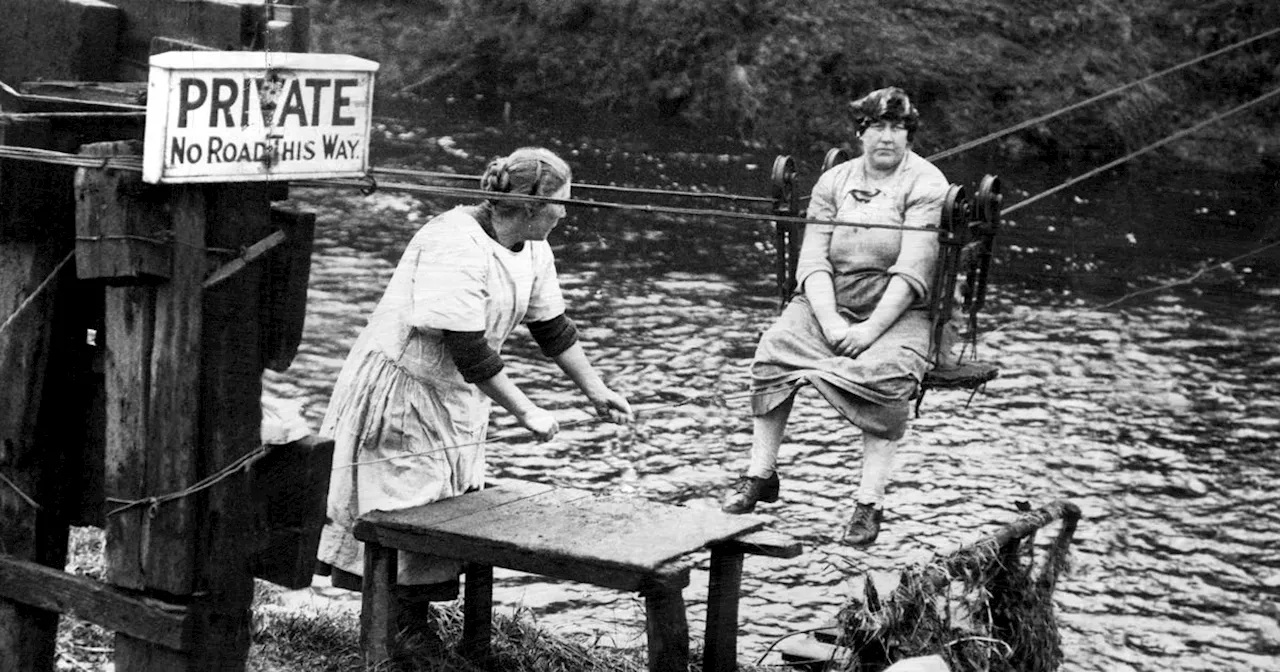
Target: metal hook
x=370 y=187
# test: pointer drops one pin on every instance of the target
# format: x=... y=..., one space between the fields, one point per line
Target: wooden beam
x=667 y=628
x=721 y=652
x=152 y=338
x=38 y=306
x=120 y=96
x=477 y=612
x=284 y=288
x=56 y=591
x=213 y=23
x=120 y=240
x=58 y=39
x=230 y=412
x=378 y=617
x=289 y=485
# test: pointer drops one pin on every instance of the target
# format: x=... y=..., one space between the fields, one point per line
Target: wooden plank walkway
x=624 y=543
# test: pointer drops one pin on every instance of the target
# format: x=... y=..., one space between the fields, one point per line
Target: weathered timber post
x=231 y=420
x=182 y=361
x=40 y=351
x=183 y=378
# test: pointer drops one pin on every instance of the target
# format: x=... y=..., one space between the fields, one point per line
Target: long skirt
x=398 y=443
x=873 y=390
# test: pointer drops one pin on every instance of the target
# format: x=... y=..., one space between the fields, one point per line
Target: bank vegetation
x=781 y=73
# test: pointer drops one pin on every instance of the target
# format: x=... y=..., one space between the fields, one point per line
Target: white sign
x=238 y=116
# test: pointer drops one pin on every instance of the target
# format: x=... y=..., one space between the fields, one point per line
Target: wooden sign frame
x=239 y=116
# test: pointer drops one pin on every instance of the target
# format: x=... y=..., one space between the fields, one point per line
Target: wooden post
x=477 y=611
x=721 y=652
x=667 y=627
x=183 y=377
x=231 y=427
x=38 y=355
x=289 y=486
x=152 y=337
x=377 y=607
x=287 y=271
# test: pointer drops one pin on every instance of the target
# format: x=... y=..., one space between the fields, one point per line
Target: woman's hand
x=540 y=422
x=834 y=329
x=614 y=407
x=851 y=339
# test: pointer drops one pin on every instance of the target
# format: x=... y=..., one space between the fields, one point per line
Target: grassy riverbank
x=781 y=73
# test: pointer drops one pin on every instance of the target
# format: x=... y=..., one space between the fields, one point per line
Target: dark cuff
x=476 y=361
x=555 y=335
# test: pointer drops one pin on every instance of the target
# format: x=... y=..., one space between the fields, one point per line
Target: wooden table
x=624 y=543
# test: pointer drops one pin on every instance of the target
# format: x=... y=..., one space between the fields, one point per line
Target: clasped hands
x=849 y=340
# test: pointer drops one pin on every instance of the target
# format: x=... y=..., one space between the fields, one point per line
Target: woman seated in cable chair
x=858 y=326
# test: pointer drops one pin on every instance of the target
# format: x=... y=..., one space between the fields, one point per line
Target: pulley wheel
x=783 y=177
x=989 y=200
x=835 y=156
x=955 y=212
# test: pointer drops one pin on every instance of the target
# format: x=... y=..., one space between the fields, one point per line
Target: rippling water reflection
x=1158 y=417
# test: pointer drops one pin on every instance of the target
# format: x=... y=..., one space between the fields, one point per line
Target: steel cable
x=1132 y=155
x=583 y=186
x=460 y=192
x=1075 y=106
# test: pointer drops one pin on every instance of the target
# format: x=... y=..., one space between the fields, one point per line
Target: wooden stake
x=37 y=359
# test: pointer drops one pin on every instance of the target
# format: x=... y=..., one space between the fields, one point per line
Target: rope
x=1132 y=155
x=573 y=423
x=242 y=462
x=135 y=164
x=74 y=115
x=163 y=238
x=25 y=497
x=1168 y=285
x=32 y=297
x=1045 y=117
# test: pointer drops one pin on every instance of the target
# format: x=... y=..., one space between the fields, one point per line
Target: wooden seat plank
x=966 y=375
x=763 y=542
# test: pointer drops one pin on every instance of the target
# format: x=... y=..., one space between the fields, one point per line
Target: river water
x=1157 y=415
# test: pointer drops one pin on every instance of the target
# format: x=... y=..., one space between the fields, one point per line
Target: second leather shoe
x=748 y=491
x=864 y=525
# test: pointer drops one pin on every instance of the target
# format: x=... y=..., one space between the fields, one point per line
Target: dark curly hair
x=887 y=104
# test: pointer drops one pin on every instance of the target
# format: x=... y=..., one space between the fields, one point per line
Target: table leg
x=667 y=627
x=477 y=611
x=721 y=652
x=377 y=606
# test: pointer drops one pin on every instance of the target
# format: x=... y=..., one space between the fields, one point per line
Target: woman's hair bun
x=497 y=176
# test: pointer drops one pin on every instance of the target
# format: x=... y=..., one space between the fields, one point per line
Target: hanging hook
x=371 y=185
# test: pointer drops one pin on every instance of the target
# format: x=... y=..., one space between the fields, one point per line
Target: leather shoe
x=864 y=525
x=749 y=490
